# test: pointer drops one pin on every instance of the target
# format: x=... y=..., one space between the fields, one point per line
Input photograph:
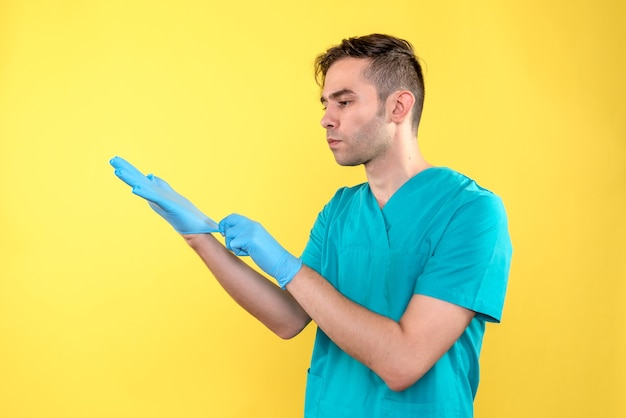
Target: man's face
x=356 y=128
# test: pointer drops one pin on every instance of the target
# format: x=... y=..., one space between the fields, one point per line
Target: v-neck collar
x=395 y=212
x=408 y=187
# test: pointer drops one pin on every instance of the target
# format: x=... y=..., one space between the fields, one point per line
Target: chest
x=375 y=257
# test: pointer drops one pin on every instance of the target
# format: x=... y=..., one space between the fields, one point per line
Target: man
x=400 y=273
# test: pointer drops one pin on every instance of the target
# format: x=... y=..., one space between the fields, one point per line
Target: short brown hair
x=394 y=66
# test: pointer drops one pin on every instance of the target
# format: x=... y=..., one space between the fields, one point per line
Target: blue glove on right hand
x=174 y=208
x=246 y=237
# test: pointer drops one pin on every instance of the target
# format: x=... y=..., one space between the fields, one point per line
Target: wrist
x=196 y=240
x=290 y=266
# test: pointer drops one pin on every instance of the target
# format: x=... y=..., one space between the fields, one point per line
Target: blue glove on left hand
x=174 y=208
x=246 y=237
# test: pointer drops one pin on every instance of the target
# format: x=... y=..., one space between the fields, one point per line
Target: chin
x=348 y=163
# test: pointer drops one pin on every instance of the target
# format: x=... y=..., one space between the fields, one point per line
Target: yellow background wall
x=104 y=311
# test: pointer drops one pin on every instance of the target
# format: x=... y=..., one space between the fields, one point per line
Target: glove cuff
x=289 y=266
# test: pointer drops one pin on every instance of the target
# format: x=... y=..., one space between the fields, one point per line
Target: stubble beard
x=365 y=145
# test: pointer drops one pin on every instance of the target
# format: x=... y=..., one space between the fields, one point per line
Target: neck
x=388 y=173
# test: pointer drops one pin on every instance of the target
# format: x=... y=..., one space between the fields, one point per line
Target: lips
x=332 y=142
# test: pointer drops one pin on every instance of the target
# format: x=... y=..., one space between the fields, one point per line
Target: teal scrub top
x=439 y=235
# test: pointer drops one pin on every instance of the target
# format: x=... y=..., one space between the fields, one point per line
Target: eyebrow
x=336 y=94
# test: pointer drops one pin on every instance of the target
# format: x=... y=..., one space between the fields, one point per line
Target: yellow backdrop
x=104 y=311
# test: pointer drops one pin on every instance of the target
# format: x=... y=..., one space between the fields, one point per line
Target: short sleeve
x=312 y=254
x=469 y=266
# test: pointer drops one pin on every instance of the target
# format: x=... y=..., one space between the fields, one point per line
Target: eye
x=343 y=103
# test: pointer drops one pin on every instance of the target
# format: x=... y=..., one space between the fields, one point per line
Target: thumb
x=230 y=221
x=160 y=182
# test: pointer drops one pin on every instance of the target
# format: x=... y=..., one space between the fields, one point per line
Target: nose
x=328 y=120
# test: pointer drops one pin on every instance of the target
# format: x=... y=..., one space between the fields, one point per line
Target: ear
x=401 y=103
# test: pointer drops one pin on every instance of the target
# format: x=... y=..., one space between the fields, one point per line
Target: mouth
x=332 y=143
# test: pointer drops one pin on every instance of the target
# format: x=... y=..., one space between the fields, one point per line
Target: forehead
x=346 y=73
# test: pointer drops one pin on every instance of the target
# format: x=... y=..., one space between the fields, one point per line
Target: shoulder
x=345 y=195
x=348 y=192
x=448 y=179
x=458 y=189
x=342 y=198
x=473 y=214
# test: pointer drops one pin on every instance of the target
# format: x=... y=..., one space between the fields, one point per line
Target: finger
x=240 y=253
x=234 y=245
x=232 y=231
x=223 y=226
x=130 y=175
x=160 y=182
x=127 y=172
x=231 y=221
x=141 y=186
x=120 y=163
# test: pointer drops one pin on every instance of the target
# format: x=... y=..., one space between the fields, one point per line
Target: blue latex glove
x=174 y=208
x=246 y=237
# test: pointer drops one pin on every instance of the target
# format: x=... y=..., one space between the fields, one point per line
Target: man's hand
x=246 y=237
x=174 y=208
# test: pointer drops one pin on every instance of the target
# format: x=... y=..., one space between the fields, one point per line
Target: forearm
x=400 y=352
x=365 y=335
x=274 y=307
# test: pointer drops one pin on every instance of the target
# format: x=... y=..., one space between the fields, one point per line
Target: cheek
x=359 y=123
x=372 y=129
